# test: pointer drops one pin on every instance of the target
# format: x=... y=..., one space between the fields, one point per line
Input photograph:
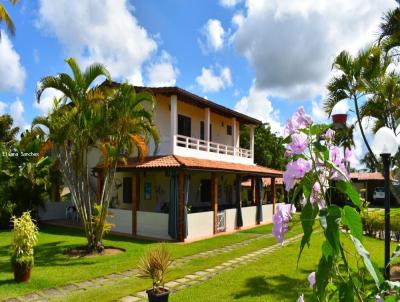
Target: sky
x=264 y=58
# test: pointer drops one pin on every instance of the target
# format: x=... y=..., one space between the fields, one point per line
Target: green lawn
x=53 y=268
x=271 y=278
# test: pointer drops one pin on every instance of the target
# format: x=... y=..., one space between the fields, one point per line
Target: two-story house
x=192 y=188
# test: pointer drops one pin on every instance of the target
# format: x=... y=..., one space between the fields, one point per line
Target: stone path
x=65 y=290
x=202 y=276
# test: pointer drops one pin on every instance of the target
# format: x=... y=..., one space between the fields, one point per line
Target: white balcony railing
x=207 y=146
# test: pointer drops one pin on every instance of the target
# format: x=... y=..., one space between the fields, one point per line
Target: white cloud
x=317 y=111
x=256 y=104
x=12 y=73
x=16 y=112
x=229 y=3
x=209 y=81
x=106 y=33
x=47 y=101
x=214 y=35
x=3 y=107
x=291 y=43
x=162 y=72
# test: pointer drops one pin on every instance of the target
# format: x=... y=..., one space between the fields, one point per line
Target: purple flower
x=299 y=143
x=301 y=298
x=342 y=174
x=281 y=219
x=334 y=155
x=347 y=155
x=311 y=279
x=378 y=298
x=295 y=170
x=329 y=134
x=299 y=120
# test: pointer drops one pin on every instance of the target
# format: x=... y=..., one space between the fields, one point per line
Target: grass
x=50 y=260
x=274 y=277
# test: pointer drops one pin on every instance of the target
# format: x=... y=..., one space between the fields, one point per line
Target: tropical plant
x=7 y=131
x=268 y=147
x=5 y=17
x=25 y=237
x=389 y=36
x=111 y=118
x=25 y=179
x=154 y=265
x=316 y=169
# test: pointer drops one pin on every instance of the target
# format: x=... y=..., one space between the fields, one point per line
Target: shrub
x=154 y=265
x=24 y=240
x=374 y=223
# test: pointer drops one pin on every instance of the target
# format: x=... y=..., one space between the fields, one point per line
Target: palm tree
x=389 y=37
x=113 y=119
x=5 y=17
x=355 y=78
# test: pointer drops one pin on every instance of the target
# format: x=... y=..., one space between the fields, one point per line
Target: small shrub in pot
x=24 y=240
x=154 y=265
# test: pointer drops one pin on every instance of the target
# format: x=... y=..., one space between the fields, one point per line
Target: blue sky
x=263 y=58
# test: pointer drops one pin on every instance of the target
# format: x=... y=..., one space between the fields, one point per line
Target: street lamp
x=385 y=144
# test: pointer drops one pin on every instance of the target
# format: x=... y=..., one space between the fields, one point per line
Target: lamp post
x=385 y=144
x=339 y=115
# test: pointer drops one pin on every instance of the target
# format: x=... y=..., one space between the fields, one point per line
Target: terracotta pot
x=158 y=297
x=22 y=272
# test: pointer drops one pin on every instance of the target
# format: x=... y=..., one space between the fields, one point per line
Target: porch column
x=181 y=190
x=214 y=199
x=273 y=192
x=252 y=141
x=207 y=122
x=253 y=191
x=174 y=121
x=234 y=135
x=135 y=201
x=239 y=219
x=259 y=215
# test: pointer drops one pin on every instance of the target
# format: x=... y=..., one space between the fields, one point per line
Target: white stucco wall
x=122 y=220
x=200 y=225
x=267 y=212
x=153 y=225
x=230 y=219
x=249 y=216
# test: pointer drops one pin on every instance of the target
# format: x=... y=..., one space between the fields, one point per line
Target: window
x=202 y=130
x=205 y=190
x=127 y=190
x=229 y=130
x=184 y=125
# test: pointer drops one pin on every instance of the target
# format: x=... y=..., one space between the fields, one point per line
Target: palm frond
x=5 y=17
x=94 y=71
x=78 y=76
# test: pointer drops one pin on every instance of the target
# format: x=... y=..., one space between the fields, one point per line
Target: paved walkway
x=76 y=287
x=204 y=275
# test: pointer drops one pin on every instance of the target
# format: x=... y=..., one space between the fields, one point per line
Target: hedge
x=374 y=224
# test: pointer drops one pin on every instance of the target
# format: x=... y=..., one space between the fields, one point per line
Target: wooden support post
x=253 y=191
x=257 y=195
x=181 y=194
x=135 y=201
x=214 y=200
x=273 y=193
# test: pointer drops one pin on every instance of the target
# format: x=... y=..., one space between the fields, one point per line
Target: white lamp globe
x=385 y=142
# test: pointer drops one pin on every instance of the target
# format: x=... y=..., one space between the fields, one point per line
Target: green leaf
x=367 y=260
x=326 y=249
x=348 y=189
x=323 y=151
x=353 y=220
x=332 y=232
x=395 y=254
x=322 y=276
x=307 y=218
x=346 y=292
x=287 y=140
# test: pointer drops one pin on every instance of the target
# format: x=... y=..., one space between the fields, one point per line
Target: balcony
x=194 y=147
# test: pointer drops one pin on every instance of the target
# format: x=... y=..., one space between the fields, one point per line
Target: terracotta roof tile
x=366 y=176
x=266 y=182
x=173 y=161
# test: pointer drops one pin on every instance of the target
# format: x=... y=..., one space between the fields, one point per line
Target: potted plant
x=24 y=240
x=154 y=265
